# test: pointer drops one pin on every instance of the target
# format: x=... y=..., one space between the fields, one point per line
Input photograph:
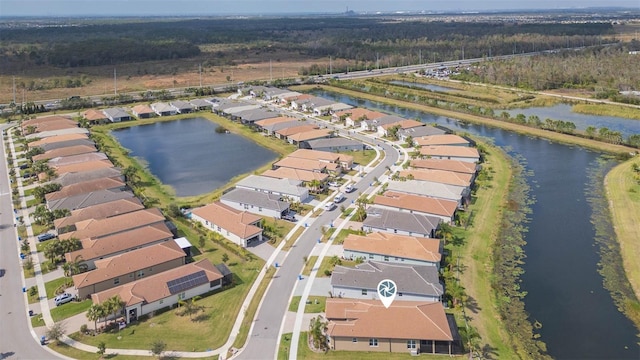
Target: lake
x=190 y=156
x=582 y=121
x=565 y=292
x=431 y=87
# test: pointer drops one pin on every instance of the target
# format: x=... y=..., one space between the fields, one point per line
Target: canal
x=190 y=156
x=565 y=291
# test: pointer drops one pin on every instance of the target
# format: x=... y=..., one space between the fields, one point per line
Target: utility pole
x=115 y=82
x=270 y=71
x=377 y=61
x=330 y=66
x=200 y=73
x=420 y=56
x=14 y=89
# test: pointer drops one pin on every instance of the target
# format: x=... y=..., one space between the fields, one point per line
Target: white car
x=334 y=183
x=339 y=197
x=329 y=206
x=349 y=188
x=63 y=299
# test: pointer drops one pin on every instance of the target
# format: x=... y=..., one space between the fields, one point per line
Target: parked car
x=329 y=206
x=289 y=217
x=334 y=183
x=339 y=197
x=45 y=237
x=63 y=299
x=349 y=188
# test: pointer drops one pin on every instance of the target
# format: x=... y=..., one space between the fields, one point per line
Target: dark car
x=46 y=236
x=289 y=217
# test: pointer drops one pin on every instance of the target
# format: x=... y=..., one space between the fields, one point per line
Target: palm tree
x=95 y=312
x=114 y=305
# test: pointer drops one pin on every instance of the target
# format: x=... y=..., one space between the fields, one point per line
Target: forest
x=364 y=40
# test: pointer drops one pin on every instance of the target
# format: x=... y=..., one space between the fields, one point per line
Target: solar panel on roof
x=187 y=282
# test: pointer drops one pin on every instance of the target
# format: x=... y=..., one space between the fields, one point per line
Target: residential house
x=343 y=160
x=165 y=289
x=70 y=178
x=95 y=117
x=296 y=102
x=201 y=104
x=86 y=187
x=128 y=267
x=46 y=124
x=240 y=227
x=116 y=114
x=56 y=139
x=443 y=209
x=83 y=166
x=459 y=153
x=438 y=176
x=404 y=327
x=431 y=189
x=399 y=222
x=143 y=111
x=416 y=132
x=260 y=124
x=318 y=106
x=335 y=144
x=284 y=134
x=163 y=109
x=65 y=151
x=353 y=117
x=76 y=159
x=438 y=140
x=413 y=282
x=394 y=248
x=100 y=211
x=289 y=189
x=253 y=115
x=307 y=177
x=52 y=133
x=372 y=125
x=64 y=144
x=230 y=107
x=256 y=202
x=182 y=107
x=303 y=164
x=89 y=199
x=383 y=130
x=270 y=129
x=99 y=228
x=116 y=244
x=457 y=166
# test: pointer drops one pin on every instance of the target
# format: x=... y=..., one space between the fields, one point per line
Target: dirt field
x=153 y=75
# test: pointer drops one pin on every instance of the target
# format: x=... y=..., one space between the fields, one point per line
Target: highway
x=16 y=339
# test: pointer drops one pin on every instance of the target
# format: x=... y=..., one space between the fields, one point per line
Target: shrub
x=83 y=328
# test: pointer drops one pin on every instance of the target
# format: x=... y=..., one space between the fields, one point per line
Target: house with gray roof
x=286 y=188
x=431 y=189
x=272 y=128
x=419 y=131
x=46 y=134
x=400 y=222
x=256 y=202
x=201 y=104
x=230 y=107
x=372 y=125
x=89 y=199
x=414 y=282
x=116 y=114
x=253 y=115
x=182 y=107
x=334 y=144
x=163 y=109
x=71 y=178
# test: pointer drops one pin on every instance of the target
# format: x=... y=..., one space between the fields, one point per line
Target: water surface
x=190 y=156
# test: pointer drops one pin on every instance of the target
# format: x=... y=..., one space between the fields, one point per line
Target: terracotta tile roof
x=299 y=97
x=296 y=174
x=235 y=221
x=84 y=166
x=65 y=151
x=417 y=203
x=402 y=320
x=49 y=123
x=439 y=176
x=59 y=138
x=316 y=155
x=457 y=151
x=275 y=120
x=409 y=247
x=94 y=115
x=44 y=119
x=356 y=113
x=154 y=288
x=85 y=187
x=75 y=159
x=446 y=139
x=100 y=211
x=131 y=239
x=295 y=130
x=302 y=164
x=404 y=124
x=128 y=263
x=142 y=109
x=100 y=228
x=443 y=164
x=311 y=134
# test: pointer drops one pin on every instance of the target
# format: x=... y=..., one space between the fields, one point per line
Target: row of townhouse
x=126 y=249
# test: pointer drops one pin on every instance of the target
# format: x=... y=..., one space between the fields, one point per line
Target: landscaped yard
x=328 y=263
x=69 y=309
x=315 y=304
x=74 y=353
x=363 y=157
x=52 y=285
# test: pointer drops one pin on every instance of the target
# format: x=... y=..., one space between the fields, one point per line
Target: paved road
x=263 y=342
x=16 y=338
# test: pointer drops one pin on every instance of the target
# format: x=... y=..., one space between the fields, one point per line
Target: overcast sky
x=253 y=7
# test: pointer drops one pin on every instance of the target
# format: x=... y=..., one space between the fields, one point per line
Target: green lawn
x=37 y=321
x=69 y=309
x=74 y=353
x=293 y=239
x=32 y=202
x=363 y=157
x=327 y=264
x=315 y=304
x=339 y=239
x=52 y=285
x=309 y=265
x=39 y=229
x=280 y=228
x=33 y=298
